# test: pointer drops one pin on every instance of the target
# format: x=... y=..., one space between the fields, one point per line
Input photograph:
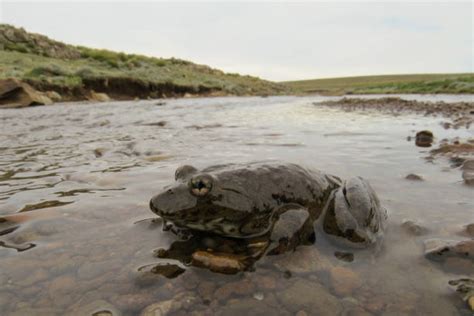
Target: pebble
x=470 y=302
x=440 y=250
x=414 y=177
x=424 y=138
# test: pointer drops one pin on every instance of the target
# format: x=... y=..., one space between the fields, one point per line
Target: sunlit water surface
x=83 y=175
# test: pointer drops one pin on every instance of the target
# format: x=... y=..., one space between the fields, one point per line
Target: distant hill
x=416 y=83
x=74 y=71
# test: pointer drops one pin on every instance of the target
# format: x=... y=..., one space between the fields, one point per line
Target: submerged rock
x=17 y=94
x=181 y=300
x=440 y=250
x=344 y=281
x=424 y=138
x=414 y=228
x=310 y=296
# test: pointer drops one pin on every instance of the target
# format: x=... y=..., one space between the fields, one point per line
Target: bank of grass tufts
x=48 y=64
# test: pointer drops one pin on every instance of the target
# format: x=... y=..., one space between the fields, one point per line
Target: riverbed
x=76 y=180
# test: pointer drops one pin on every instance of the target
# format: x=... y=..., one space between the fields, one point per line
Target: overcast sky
x=276 y=41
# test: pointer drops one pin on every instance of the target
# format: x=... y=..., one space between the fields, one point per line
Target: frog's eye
x=184 y=172
x=200 y=185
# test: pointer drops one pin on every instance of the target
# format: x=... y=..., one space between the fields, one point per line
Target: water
x=83 y=175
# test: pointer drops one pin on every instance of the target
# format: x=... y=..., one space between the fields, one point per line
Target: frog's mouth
x=218 y=220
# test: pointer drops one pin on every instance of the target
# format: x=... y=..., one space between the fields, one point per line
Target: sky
x=273 y=40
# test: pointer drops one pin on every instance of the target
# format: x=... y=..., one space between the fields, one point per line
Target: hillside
x=417 y=83
x=74 y=72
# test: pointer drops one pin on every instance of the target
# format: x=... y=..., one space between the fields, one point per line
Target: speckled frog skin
x=271 y=199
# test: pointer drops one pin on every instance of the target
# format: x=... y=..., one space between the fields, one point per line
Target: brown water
x=83 y=176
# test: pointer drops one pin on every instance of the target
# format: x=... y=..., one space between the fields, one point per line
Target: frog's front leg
x=354 y=214
x=293 y=227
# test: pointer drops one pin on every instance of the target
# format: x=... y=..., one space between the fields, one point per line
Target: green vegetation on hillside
x=420 y=83
x=45 y=62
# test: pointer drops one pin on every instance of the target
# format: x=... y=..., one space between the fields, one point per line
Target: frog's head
x=211 y=202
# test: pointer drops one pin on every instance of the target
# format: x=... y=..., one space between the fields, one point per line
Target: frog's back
x=273 y=185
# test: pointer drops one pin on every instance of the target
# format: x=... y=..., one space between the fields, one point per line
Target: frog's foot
x=354 y=214
x=293 y=227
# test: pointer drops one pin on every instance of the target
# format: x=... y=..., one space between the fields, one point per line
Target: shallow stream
x=76 y=179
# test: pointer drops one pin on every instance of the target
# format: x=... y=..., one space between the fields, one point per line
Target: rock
x=414 y=177
x=440 y=250
x=309 y=296
x=424 y=139
x=344 y=256
x=468 y=171
x=218 y=262
x=16 y=94
x=54 y=96
x=344 y=281
x=465 y=287
x=152 y=274
x=243 y=287
x=181 y=300
x=99 y=97
x=265 y=282
x=413 y=228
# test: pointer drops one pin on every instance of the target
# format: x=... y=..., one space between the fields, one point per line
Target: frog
x=278 y=206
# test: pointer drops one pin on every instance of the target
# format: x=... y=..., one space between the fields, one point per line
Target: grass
x=25 y=61
x=416 y=83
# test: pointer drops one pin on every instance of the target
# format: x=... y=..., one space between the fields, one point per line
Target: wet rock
x=440 y=250
x=468 y=171
x=413 y=228
x=414 y=177
x=424 y=138
x=218 y=262
x=16 y=94
x=344 y=281
x=98 y=97
x=465 y=287
x=309 y=296
x=182 y=300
